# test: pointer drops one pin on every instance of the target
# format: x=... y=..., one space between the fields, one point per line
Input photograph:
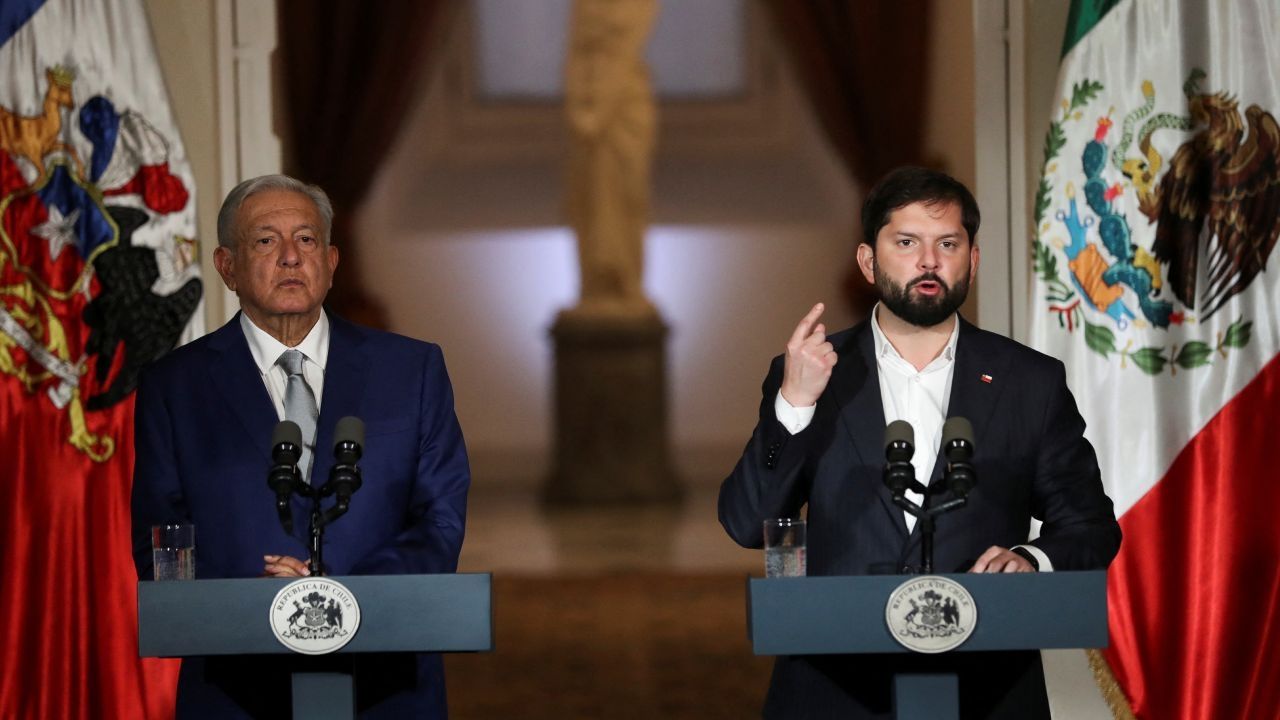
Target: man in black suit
x=819 y=442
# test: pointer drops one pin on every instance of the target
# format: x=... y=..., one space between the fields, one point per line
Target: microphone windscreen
x=350 y=429
x=899 y=431
x=957 y=428
x=287 y=431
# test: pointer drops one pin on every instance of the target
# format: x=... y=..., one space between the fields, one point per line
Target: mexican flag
x=1156 y=220
x=99 y=275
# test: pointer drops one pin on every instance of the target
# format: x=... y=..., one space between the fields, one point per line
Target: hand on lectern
x=997 y=559
x=284 y=566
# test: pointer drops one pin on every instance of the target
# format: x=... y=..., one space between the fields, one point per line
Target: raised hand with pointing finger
x=808 y=361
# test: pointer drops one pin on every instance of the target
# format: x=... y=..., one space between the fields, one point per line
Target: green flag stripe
x=1084 y=14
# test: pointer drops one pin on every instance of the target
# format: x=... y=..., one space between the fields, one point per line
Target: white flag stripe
x=1139 y=422
x=56 y=36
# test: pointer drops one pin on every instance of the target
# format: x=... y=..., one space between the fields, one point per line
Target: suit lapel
x=239 y=383
x=856 y=386
x=979 y=378
x=345 y=375
x=975 y=386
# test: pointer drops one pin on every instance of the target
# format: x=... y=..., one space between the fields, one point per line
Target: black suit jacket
x=1031 y=460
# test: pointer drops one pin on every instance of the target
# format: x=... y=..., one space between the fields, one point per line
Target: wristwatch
x=1026 y=554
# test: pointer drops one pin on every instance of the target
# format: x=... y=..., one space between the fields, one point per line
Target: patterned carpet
x=615 y=646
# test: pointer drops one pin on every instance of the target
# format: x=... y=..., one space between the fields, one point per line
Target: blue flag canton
x=14 y=14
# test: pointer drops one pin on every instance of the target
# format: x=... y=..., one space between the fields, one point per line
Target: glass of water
x=784 y=546
x=173 y=551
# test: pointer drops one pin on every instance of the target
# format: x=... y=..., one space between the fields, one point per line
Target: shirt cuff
x=794 y=419
x=1045 y=564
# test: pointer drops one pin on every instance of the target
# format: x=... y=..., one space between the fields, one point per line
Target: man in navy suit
x=204 y=421
x=820 y=442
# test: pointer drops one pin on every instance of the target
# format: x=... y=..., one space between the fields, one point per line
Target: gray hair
x=253 y=186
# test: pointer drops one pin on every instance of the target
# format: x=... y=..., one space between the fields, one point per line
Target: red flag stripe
x=1195 y=592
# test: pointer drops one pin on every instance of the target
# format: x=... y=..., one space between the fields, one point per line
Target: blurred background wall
x=464 y=242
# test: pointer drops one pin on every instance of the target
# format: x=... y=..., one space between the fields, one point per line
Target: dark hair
x=907 y=185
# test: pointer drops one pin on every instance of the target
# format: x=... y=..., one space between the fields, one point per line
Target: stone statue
x=612 y=121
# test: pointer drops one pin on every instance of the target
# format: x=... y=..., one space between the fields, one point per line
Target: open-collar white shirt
x=919 y=397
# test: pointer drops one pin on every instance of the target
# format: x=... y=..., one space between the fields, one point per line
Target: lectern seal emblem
x=314 y=616
x=931 y=614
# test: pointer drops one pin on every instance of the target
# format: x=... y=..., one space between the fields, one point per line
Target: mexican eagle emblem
x=1207 y=217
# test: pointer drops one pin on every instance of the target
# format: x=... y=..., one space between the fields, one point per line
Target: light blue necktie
x=300 y=407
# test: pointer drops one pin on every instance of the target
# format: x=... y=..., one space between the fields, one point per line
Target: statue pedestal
x=610 y=408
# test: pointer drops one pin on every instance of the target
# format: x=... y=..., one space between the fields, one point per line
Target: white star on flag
x=60 y=231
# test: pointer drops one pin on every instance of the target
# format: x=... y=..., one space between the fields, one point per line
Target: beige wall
x=949 y=119
x=1046 y=22
x=949 y=127
x=185 y=43
x=743 y=243
x=467 y=246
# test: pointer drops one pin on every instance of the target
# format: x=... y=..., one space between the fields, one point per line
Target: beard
x=920 y=311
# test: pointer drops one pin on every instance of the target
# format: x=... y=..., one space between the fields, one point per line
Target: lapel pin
x=986 y=378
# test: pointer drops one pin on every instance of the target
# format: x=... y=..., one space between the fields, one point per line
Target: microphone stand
x=344 y=479
x=319 y=521
x=316 y=562
x=926 y=513
x=958 y=477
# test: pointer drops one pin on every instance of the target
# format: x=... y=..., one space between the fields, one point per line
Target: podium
x=399 y=613
x=846 y=615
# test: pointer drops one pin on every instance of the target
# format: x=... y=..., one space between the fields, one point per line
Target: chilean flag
x=1156 y=283
x=99 y=275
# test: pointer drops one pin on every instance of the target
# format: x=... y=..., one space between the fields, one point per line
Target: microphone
x=348 y=440
x=899 y=446
x=344 y=476
x=286 y=449
x=957 y=447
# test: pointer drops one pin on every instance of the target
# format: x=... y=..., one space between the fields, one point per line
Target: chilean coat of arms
x=95 y=278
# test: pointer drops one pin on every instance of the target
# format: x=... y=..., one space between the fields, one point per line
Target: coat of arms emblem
x=99 y=269
x=1161 y=217
x=931 y=614
x=314 y=616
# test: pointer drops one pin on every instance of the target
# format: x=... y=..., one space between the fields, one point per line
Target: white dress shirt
x=266 y=350
x=918 y=396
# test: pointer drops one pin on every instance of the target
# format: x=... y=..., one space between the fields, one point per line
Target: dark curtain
x=863 y=65
x=350 y=71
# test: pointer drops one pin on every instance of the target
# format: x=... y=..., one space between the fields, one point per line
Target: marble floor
x=509 y=530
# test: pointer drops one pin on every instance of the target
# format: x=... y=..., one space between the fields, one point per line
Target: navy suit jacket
x=203 y=428
x=1031 y=460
